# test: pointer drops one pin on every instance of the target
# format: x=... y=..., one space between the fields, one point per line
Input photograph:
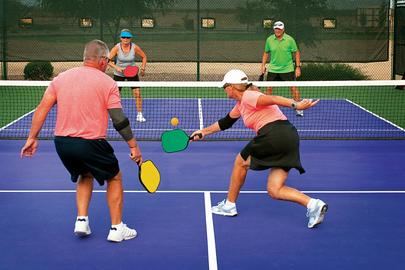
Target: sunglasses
x=106 y=58
x=125 y=37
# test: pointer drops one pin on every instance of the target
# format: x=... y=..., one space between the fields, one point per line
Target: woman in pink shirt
x=276 y=146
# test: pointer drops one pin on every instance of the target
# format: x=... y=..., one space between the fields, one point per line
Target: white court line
x=376 y=115
x=205 y=191
x=18 y=119
x=212 y=252
x=200 y=114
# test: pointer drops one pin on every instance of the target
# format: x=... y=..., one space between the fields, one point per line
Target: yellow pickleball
x=174 y=121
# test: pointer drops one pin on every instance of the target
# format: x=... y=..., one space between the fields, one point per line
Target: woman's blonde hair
x=241 y=86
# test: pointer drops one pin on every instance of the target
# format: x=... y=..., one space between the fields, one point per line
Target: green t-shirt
x=281 y=59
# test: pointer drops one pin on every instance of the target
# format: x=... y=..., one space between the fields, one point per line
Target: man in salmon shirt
x=85 y=96
x=276 y=146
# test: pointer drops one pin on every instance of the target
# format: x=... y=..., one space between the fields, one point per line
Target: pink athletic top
x=83 y=96
x=255 y=117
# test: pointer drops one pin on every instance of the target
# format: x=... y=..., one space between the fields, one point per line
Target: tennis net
x=347 y=110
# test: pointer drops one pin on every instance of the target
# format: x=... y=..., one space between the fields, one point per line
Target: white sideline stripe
x=376 y=115
x=180 y=84
x=16 y=120
x=212 y=252
x=204 y=191
x=200 y=114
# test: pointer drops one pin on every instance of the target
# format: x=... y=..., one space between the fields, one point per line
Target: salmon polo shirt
x=83 y=95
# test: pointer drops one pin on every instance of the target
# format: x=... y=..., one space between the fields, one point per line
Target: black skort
x=128 y=79
x=82 y=156
x=276 y=145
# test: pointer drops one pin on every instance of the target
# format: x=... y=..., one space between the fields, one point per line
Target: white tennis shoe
x=140 y=118
x=224 y=210
x=120 y=233
x=82 y=227
x=316 y=214
x=299 y=113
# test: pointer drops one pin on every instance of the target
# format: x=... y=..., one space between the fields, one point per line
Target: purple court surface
x=363 y=181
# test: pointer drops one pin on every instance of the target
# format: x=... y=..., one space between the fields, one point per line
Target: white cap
x=235 y=76
x=278 y=25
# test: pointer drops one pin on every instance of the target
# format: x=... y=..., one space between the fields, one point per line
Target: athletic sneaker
x=140 y=118
x=121 y=232
x=224 y=210
x=82 y=227
x=317 y=213
x=299 y=113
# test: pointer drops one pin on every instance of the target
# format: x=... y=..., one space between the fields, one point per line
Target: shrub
x=330 y=72
x=39 y=71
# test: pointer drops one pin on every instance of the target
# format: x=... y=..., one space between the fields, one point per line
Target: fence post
x=100 y=19
x=198 y=40
x=4 y=41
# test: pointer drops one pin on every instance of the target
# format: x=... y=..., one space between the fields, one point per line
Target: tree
x=12 y=12
x=247 y=14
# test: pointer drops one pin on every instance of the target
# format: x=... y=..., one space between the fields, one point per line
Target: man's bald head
x=95 y=50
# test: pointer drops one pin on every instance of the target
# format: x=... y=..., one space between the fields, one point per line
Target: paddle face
x=174 y=140
x=131 y=71
x=149 y=176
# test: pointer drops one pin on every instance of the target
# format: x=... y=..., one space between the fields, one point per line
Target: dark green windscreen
x=325 y=30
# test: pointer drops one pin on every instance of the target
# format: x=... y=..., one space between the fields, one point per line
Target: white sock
x=82 y=217
x=229 y=204
x=311 y=204
x=117 y=226
x=139 y=113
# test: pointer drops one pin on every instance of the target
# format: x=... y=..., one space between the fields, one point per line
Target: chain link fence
x=196 y=40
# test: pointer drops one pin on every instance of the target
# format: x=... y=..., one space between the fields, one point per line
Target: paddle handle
x=137 y=162
x=261 y=77
x=198 y=134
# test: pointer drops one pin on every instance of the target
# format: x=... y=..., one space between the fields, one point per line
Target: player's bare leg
x=84 y=190
x=115 y=193
x=295 y=93
x=238 y=177
x=138 y=103
x=228 y=207
x=297 y=97
x=115 y=198
x=316 y=209
x=277 y=189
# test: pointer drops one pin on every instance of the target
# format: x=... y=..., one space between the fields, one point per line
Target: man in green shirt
x=282 y=49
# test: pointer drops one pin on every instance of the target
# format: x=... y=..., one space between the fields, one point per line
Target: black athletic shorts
x=128 y=79
x=290 y=76
x=82 y=156
x=276 y=145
